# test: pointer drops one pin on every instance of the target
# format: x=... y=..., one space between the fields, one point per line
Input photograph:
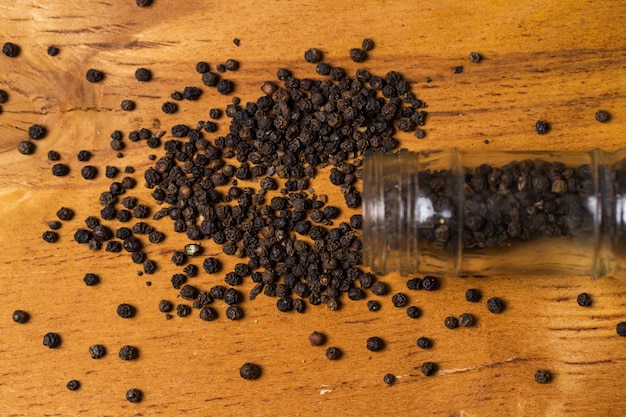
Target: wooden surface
x=558 y=61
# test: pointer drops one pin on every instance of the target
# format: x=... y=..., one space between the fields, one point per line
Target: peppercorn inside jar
x=495 y=213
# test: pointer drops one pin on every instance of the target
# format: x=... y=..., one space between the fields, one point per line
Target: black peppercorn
x=430 y=283
x=224 y=86
x=149 y=267
x=126 y=311
x=189 y=292
x=495 y=305
x=317 y=339
x=65 y=214
x=179 y=258
x=250 y=371
x=414 y=284
x=89 y=172
x=413 y=312
x=97 y=351
x=53 y=156
x=375 y=344
x=53 y=51
x=424 y=343
x=379 y=288
x=313 y=55
x=192 y=93
x=91 y=279
x=451 y=322
x=94 y=76
x=542 y=376
x=211 y=265
x=358 y=55
x=134 y=395
x=399 y=300
x=128 y=353
x=165 y=306
x=231 y=65
x=169 y=107
x=541 y=127
x=26 y=147
x=20 y=316
x=60 y=170
x=73 y=385
x=52 y=340
x=474 y=57
x=333 y=353
x=208 y=314
x=621 y=328
x=473 y=295
x=183 y=310
x=234 y=313
x=373 y=305
x=50 y=236
x=367 y=44
x=602 y=116
x=466 y=320
x=10 y=49
x=428 y=368
x=127 y=105
x=54 y=225
x=389 y=379
x=583 y=299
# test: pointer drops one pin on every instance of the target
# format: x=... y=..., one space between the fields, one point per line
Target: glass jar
x=491 y=213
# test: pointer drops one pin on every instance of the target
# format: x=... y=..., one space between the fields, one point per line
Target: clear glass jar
x=492 y=213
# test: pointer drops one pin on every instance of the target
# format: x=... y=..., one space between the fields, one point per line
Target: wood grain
x=554 y=60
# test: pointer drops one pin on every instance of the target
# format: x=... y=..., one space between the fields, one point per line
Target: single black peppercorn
x=358 y=55
x=317 y=339
x=128 y=353
x=52 y=340
x=231 y=65
x=474 y=57
x=542 y=376
x=333 y=353
x=224 y=86
x=127 y=105
x=149 y=267
x=179 y=258
x=602 y=116
x=414 y=284
x=97 y=351
x=583 y=299
x=60 y=170
x=94 y=76
x=466 y=320
x=91 y=279
x=20 y=316
x=126 y=311
x=83 y=156
x=458 y=69
x=389 y=379
x=134 y=395
x=53 y=156
x=208 y=314
x=541 y=127
x=65 y=214
x=430 y=283
x=367 y=44
x=169 y=107
x=428 y=368
x=73 y=385
x=189 y=292
x=53 y=51
x=375 y=344
x=192 y=93
x=373 y=305
x=143 y=74
x=211 y=265
x=313 y=55
x=183 y=310
x=250 y=371
x=413 y=312
x=399 y=300
x=26 y=147
x=89 y=172
x=451 y=322
x=54 y=225
x=495 y=305
x=202 y=67
x=10 y=49
x=165 y=306
x=379 y=288
x=220 y=68
x=50 y=236
x=473 y=295
x=424 y=343
x=234 y=313
x=621 y=328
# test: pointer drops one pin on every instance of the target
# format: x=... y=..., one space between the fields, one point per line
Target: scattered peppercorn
x=60 y=170
x=231 y=65
x=375 y=344
x=165 y=306
x=94 y=76
x=89 y=172
x=52 y=340
x=621 y=328
x=317 y=339
x=128 y=353
x=143 y=74
x=26 y=147
x=224 y=86
x=358 y=55
x=333 y=353
x=542 y=376
x=20 y=316
x=451 y=322
x=602 y=116
x=373 y=305
x=127 y=105
x=54 y=225
x=183 y=310
x=466 y=320
x=495 y=305
x=250 y=371
x=73 y=385
x=583 y=299
x=126 y=311
x=474 y=57
x=541 y=127
x=97 y=351
x=134 y=395
x=473 y=295
x=389 y=379
x=430 y=283
x=91 y=279
x=53 y=50
x=169 y=107
x=10 y=49
x=428 y=368
x=424 y=343
x=50 y=236
x=53 y=156
x=313 y=55
x=413 y=312
x=399 y=300
x=37 y=131
x=367 y=44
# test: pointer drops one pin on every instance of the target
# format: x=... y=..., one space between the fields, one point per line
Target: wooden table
x=558 y=61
